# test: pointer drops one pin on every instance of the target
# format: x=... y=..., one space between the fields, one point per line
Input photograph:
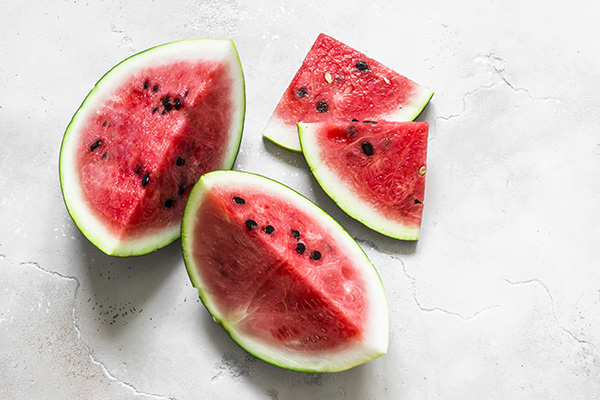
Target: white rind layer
x=220 y=50
x=286 y=135
x=376 y=331
x=342 y=193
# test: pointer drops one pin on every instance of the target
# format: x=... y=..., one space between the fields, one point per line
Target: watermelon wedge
x=144 y=135
x=375 y=171
x=338 y=83
x=285 y=280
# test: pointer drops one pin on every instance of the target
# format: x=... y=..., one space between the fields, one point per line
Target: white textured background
x=500 y=299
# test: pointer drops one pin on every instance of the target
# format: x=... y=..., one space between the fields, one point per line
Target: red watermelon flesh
x=375 y=171
x=167 y=126
x=301 y=292
x=338 y=83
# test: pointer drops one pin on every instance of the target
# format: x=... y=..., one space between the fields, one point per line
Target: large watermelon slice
x=144 y=135
x=282 y=277
x=338 y=83
x=375 y=171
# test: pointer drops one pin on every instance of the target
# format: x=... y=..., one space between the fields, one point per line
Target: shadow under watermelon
x=118 y=291
x=240 y=366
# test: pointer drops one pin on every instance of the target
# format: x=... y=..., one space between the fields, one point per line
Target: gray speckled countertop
x=500 y=299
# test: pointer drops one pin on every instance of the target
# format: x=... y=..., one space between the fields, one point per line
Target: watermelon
x=144 y=135
x=374 y=170
x=285 y=281
x=338 y=83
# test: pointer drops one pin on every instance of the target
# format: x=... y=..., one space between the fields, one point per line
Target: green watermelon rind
x=92 y=228
x=377 y=340
x=343 y=196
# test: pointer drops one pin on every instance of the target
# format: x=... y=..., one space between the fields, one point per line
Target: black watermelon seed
x=301 y=92
x=155 y=110
x=186 y=93
x=418 y=202
x=239 y=200
x=296 y=234
x=369 y=122
x=146 y=85
x=105 y=123
x=169 y=203
x=361 y=65
x=96 y=144
x=146 y=179
x=367 y=148
x=177 y=104
x=316 y=255
x=354 y=120
x=269 y=229
x=181 y=189
x=322 y=107
x=250 y=224
x=166 y=102
x=138 y=170
x=180 y=162
x=300 y=248
x=104 y=155
x=155 y=88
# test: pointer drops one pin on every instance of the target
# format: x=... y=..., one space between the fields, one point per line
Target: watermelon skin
x=127 y=194
x=330 y=86
x=375 y=171
x=291 y=309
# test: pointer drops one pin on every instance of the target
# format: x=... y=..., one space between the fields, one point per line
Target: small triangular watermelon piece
x=338 y=83
x=375 y=171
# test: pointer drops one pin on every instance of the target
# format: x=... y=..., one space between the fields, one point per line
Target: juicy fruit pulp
x=375 y=171
x=338 y=83
x=287 y=283
x=151 y=127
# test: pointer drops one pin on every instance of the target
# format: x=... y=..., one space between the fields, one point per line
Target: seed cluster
x=322 y=106
x=251 y=225
x=166 y=102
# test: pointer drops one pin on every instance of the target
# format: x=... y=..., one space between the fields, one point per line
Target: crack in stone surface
x=102 y=366
x=413 y=286
x=536 y=281
x=464 y=102
x=126 y=41
x=498 y=66
x=108 y=374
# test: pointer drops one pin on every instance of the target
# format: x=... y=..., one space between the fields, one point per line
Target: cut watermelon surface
x=375 y=171
x=143 y=136
x=338 y=83
x=282 y=277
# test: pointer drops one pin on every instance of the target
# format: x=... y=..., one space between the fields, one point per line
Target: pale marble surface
x=500 y=299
